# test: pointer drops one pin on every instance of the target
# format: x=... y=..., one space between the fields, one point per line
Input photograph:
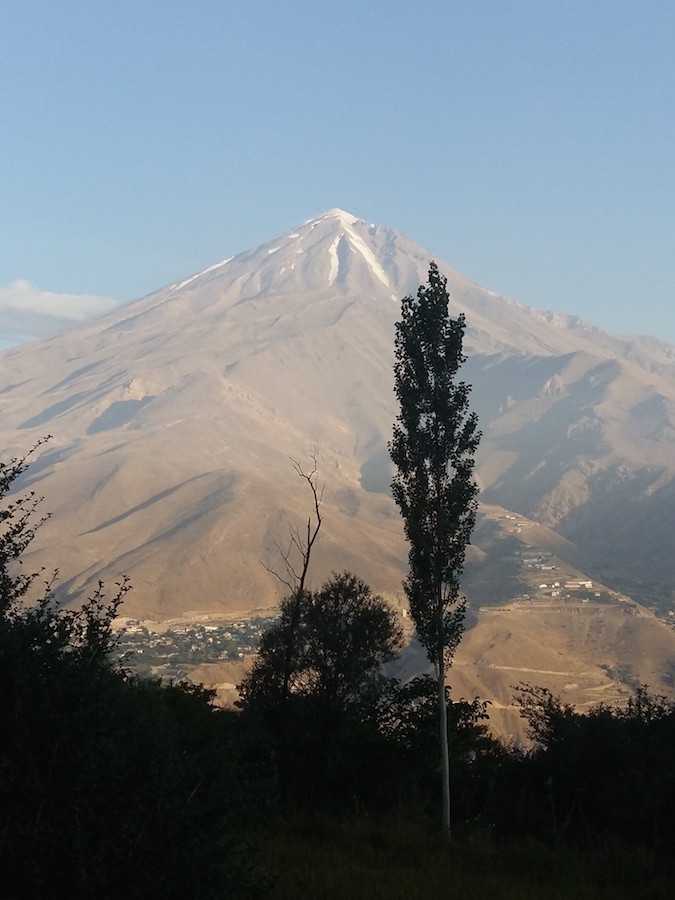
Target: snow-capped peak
x=345 y=218
x=346 y=231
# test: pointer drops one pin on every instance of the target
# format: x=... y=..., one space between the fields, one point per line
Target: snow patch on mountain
x=181 y=284
x=334 y=262
x=360 y=245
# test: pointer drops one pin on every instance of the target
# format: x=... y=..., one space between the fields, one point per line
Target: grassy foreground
x=325 y=861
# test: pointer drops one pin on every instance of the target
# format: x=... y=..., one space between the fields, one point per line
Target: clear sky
x=528 y=143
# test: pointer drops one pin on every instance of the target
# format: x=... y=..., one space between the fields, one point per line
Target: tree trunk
x=445 y=754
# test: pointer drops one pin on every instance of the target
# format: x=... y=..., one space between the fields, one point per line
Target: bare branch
x=295 y=576
x=293 y=581
x=290 y=570
x=312 y=528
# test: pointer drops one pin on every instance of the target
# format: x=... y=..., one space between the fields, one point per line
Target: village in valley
x=174 y=651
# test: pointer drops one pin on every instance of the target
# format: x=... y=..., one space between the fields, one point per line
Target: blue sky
x=528 y=144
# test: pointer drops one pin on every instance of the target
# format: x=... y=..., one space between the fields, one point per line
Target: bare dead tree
x=298 y=544
x=295 y=556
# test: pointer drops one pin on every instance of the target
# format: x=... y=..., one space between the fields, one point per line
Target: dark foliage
x=432 y=447
x=608 y=773
x=411 y=724
x=316 y=710
x=109 y=785
x=344 y=634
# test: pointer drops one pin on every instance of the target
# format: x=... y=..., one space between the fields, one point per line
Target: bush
x=607 y=773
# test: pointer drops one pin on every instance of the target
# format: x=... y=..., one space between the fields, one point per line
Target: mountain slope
x=173 y=420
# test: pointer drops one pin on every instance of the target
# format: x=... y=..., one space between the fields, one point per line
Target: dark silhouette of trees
x=608 y=772
x=433 y=447
x=343 y=634
x=110 y=785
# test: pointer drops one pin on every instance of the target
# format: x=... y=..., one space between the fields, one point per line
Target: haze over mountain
x=173 y=420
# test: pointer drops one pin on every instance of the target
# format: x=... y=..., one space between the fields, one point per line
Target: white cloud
x=27 y=313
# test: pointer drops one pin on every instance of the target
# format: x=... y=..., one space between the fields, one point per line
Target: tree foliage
x=343 y=636
x=19 y=520
x=433 y=448
x=318 y=721
x=608 y=771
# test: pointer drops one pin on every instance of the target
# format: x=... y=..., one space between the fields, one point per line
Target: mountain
x=174 y=421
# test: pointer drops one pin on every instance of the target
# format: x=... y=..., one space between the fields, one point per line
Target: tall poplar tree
x=433 y=447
